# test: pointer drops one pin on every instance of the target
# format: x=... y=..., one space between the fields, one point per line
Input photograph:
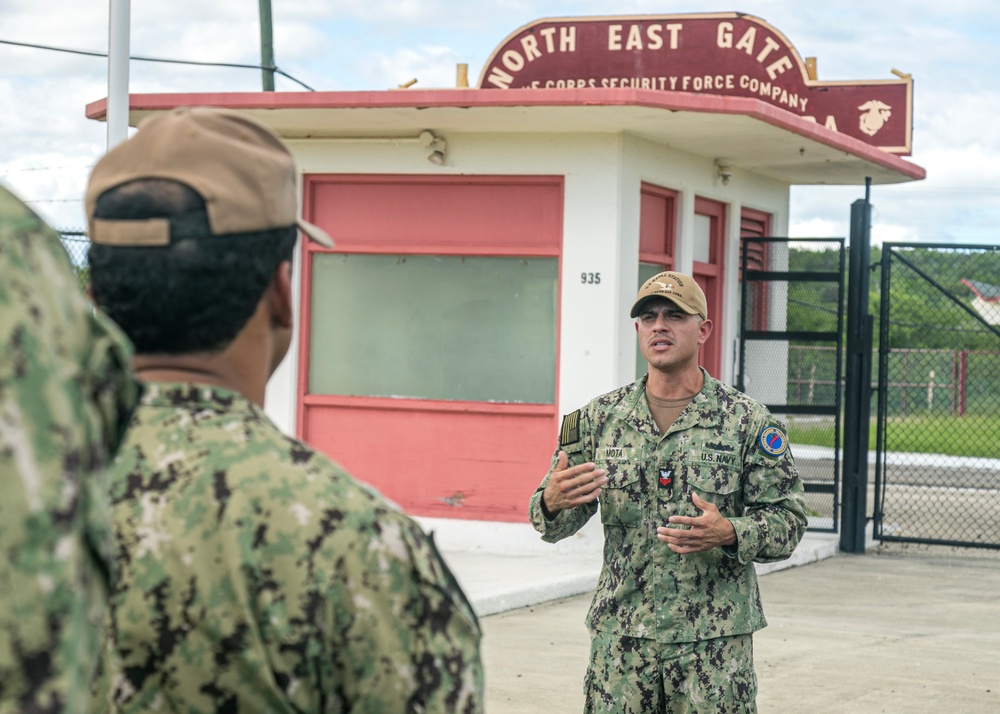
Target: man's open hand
x=571 y=487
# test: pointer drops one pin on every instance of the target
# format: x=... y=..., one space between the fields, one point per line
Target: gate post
x=857 y=385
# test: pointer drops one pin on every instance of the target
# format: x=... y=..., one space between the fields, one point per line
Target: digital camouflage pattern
x=628 y=675
x=645 y=589
x=65 y=394
x=256 y=576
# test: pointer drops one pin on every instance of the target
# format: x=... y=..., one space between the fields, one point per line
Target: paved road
x=901 y=630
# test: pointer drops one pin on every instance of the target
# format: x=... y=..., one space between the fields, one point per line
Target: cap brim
x=315 y=233
x=637 y=307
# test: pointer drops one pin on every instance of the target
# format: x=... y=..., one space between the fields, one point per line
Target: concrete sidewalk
x=506 y=566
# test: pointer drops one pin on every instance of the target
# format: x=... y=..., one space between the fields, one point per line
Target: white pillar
x=118 y=52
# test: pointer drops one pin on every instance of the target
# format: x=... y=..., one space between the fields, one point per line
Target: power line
x=90 y=53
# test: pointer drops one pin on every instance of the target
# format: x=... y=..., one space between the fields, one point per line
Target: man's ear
x=704 y=331
x=280 y=296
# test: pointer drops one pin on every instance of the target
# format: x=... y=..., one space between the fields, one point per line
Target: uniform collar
x=193 y=396
x=704 y=410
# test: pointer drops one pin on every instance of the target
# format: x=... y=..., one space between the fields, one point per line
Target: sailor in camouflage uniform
x=65 y=394
x=695 y=483
x=254 y=574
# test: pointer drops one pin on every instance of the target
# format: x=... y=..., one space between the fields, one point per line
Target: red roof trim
x=977 y=288
x=473 y=98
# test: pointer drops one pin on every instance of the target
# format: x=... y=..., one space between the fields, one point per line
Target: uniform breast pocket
x=621 y=497
x=717 y=484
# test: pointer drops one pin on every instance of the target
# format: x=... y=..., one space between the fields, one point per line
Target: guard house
x=490 y=239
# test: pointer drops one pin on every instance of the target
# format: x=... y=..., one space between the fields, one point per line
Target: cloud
x=815 y=227
x=894 y=233
x=952 y=49
x=82 y=24
x=432 y=67
x=441 y=14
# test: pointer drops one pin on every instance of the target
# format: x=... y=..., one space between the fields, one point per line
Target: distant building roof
x=984 y=291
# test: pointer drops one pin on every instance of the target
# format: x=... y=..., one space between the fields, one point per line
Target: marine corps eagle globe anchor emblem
x=874 y=116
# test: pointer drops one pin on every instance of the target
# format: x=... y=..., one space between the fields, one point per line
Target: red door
x=711 y=217
x=420 y=370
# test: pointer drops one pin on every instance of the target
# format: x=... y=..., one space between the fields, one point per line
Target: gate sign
x=728 y=54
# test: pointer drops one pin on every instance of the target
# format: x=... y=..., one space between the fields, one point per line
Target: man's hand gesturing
x=571 y=487
x=709 y=530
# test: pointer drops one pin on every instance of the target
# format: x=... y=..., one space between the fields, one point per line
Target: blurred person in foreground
x=695 y=484
x=254 y=574
x=65 y=394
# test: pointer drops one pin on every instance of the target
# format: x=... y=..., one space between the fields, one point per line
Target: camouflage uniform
x=256 y=576
x=65 y=393
x=646 y=591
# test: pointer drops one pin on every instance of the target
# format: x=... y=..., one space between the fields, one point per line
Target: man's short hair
x=194 y=294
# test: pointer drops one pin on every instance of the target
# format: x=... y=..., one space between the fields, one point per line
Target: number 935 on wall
x=590 y=278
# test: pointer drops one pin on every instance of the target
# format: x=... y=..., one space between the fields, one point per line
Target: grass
x=952 y=436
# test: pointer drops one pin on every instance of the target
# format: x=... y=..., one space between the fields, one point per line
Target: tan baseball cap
x=678 y=288
x=243 y=171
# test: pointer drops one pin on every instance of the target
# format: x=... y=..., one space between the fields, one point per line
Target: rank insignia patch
x=666 y=476
x=772 y=441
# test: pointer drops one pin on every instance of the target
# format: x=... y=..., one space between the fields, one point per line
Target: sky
x=952 y=49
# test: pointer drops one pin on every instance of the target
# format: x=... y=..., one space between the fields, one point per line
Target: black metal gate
x=790 y=354
x=937 y=471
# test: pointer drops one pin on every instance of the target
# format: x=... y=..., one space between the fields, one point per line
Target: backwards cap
x=240 y=168
x=678 y=288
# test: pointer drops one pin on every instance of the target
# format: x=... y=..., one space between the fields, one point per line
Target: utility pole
x=266 y=46
x=119 y=21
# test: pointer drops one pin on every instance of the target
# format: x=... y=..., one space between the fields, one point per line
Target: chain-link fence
x=936 y=382
x=76 y=244
x=938 y=468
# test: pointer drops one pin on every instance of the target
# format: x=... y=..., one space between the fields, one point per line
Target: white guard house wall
x=473 y=300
